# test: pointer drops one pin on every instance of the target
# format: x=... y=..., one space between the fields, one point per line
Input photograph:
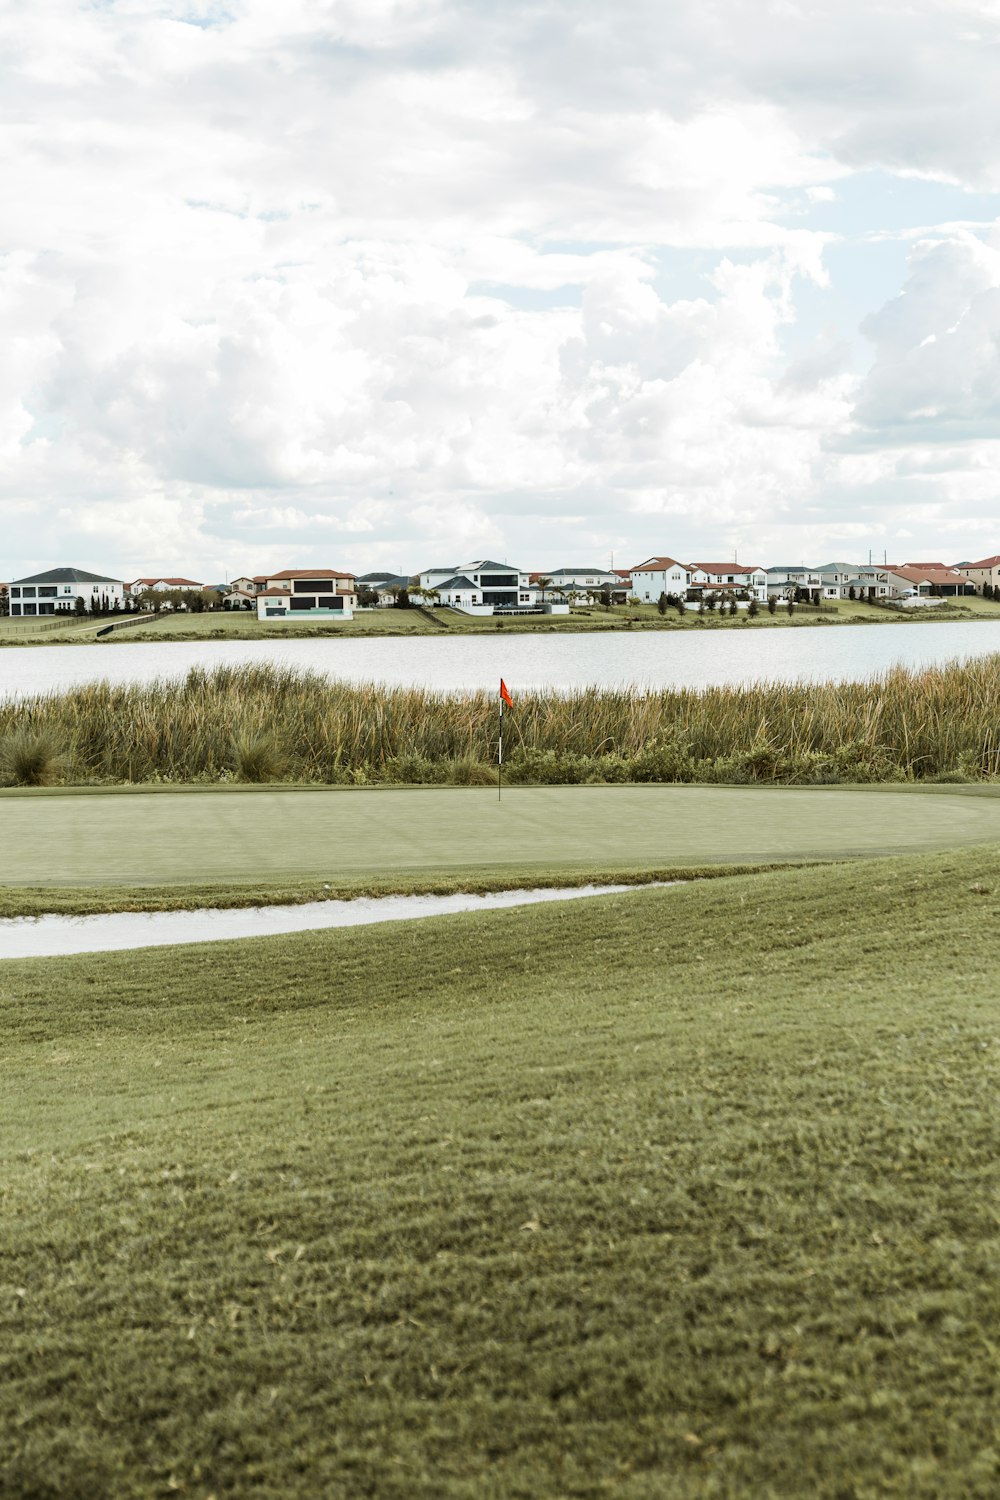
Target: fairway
x=199 y=834
x=662 y=1196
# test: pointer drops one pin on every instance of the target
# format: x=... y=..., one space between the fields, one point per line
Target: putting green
x=237 y=834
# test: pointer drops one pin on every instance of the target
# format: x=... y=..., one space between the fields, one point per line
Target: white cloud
x=388 y=276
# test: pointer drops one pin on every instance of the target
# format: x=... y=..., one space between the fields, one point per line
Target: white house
x=659 y=575
x=57 y=591
x=501 y=585
x=460 y=592
x=582 y=578
x=783 y=581
x=165 y=585
x=729 y=578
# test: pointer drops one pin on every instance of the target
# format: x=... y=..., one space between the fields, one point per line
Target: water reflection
x=52 y=936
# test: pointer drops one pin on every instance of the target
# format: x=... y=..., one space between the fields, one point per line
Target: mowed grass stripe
x=336 y=833
x=684 y=1193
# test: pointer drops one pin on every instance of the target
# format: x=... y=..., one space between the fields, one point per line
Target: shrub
x=32 y=757
x=466 y=770
x=258 y=756
x=414 y=770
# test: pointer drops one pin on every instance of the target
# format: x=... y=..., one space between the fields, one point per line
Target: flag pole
x=500 y=751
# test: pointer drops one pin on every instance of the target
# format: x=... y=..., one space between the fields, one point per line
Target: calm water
x=648 y=660
x=44 y=937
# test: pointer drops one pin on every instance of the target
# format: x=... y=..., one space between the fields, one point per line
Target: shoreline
x=225 y=627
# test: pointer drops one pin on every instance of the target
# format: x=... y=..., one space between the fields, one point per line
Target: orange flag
x=505 y=694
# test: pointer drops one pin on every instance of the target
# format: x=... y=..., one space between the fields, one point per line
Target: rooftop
x=66 y=575
x=310 y=573
x=655 y=565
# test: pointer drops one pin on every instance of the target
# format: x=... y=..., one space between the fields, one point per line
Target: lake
x=462 y=662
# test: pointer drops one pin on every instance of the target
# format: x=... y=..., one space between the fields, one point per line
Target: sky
x=395 y=284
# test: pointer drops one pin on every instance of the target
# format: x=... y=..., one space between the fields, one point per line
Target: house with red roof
x=164 y=585
x=659 y=575
x=306 y=593
x=985 y=571
x=923 y=582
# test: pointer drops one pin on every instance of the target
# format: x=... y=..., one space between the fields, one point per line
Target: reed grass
x=940 y=723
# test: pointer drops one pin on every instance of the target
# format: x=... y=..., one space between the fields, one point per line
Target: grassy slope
x=690 y=1193
x=269 y=839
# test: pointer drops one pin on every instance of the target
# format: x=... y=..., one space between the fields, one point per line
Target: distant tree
x=402 y=599
x=367 y=596
x=790 y=606
x=95 y=605
x=988 y=591
x=663 y=604
x=772 y=604
x=711 y=601
x=542 y=585
x=79 y=607
x=606 y=596
x=116 y=608
x=4 y=601
x=752 y=609
x=852 y=592
x=935 y=591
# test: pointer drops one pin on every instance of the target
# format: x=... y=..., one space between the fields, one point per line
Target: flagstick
x=500 y=756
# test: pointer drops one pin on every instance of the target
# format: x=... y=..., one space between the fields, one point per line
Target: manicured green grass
x=274 y=837
x=687 y=1193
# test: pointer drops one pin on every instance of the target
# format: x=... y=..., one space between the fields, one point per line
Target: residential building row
x=485 y=586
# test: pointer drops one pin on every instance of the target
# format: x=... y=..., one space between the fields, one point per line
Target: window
x=15 y=593
x=28 y=593
x=67 y=588
x=47 y=593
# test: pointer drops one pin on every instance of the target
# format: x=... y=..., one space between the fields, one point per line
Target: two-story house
x=58 y=590
x=659 y=575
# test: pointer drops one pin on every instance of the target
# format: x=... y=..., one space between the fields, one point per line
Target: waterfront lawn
x=224 y=624
x=678 y=1194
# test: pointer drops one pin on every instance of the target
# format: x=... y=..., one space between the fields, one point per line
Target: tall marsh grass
x=259 y=722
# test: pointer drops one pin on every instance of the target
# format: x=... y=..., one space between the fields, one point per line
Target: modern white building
x=501 y=584
x=57 y=591
x=307 y=593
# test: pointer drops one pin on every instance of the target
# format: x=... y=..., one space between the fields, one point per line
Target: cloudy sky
x=397 y=283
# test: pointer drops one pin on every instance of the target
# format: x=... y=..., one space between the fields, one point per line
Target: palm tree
x=542 y=584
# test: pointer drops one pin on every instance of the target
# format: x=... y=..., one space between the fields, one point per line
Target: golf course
x=686 y=1192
